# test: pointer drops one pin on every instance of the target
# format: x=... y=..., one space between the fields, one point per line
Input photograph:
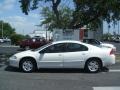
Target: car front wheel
x=27 y=66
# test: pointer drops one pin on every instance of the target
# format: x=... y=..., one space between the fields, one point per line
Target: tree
x=8 y=30
x=27 y=36
x=90 y=11
x=50 y=19
x=87 y=12
x=16 y=38
x=107 y=37
x=27 y=5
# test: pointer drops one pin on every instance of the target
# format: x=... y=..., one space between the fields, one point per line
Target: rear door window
x=74 y=47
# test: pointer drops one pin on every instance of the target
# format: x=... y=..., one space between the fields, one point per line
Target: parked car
x=99 y=43
x=117 y=40
x=33 y=43
x=5 y=40
x=1 y=40
x=64 y=54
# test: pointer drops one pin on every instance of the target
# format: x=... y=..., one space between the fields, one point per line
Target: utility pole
x=2 y=29
x=118 y=27
x=108 y=28
x=46 y=34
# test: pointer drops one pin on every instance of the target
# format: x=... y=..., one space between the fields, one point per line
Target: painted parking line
x=106 y=88
x=114 y=70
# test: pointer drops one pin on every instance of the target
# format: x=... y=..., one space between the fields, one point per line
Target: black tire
x=27 y=65
x=93 y=68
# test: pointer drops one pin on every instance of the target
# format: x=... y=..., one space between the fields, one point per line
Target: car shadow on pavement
x=71 y=70
x=12 y=69
x=43 y=70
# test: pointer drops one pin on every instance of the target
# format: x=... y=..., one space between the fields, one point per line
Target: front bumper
x=13 y=63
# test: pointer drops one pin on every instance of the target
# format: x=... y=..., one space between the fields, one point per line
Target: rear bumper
x=109 y=61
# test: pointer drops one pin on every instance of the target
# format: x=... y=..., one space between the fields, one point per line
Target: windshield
x=41 y=47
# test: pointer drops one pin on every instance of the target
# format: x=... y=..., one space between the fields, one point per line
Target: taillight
x=112 y=52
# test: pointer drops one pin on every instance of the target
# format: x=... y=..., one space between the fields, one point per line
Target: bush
x=16 y=38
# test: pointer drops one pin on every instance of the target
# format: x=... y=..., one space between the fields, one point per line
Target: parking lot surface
x=59 y=79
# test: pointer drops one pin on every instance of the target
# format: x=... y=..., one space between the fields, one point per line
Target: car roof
x=72 y=41
x=67 y=41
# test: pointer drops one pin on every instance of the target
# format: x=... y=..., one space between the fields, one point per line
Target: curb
x=9 y=46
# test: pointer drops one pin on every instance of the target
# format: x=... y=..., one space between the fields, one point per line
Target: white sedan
x=64 y=54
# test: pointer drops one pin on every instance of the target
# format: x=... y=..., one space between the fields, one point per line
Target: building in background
x=42 y=34
x=69 y=34
x=76 y=34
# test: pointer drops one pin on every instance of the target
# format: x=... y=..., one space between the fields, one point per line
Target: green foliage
x=86 y=12
x=7 y=29
x=27 y=5
x=16 y=38
x=91 y=11
x=65 y=15
x=9 y=32
x=107 y=37
x=27 y=36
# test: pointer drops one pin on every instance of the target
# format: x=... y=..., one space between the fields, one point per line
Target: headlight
x=13 y=57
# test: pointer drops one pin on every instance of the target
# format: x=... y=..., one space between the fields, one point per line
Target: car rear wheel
x=93 y=66
x=27 y=65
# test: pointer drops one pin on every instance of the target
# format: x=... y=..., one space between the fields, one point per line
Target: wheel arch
x=29 y=57
x=94 y=58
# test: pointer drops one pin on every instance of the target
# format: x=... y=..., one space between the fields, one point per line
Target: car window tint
x=57 y=48
x=93 y=41
x=97 y=42
x=73 y=47
x=85 y=41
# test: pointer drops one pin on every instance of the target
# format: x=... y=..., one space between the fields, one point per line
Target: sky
x=11 y=12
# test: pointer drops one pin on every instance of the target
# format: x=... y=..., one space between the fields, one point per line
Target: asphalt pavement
x=59 y=79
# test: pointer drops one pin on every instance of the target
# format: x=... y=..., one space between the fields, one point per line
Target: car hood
x=25 y=53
